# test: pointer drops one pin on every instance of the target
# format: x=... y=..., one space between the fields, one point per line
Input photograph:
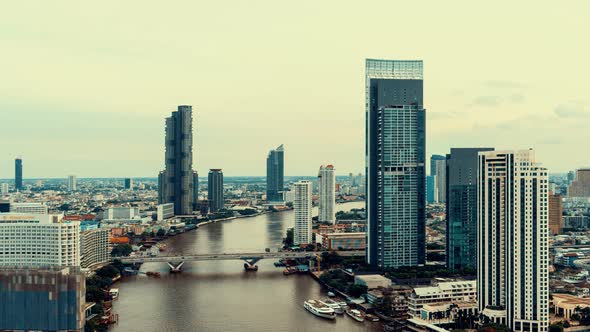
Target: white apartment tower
x=71 y=183
x=512 y=240
x=302 y=207
x=327 y=194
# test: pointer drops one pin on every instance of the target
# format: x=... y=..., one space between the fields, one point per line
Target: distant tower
x=274 y=174
x=303 y=209
x=215 y=190
x=441 y=180
x=176 y=182
x=512 y=240
x=4 y=188
x=18 y=174
x=129 y=183
x=395 y=163
x=195 y=191
x=72 y=183
x=327 y=194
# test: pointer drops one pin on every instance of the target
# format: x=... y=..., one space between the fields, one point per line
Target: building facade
x=580 y=186
x=513 y=245
x=165 y=211
x=176 y=181
x=72 y=183
x=42 y=299
x=129 y=183
x=303 y=213
x=29 y=207
x=461 y=207
x=431 y=189
x=344 y=241
x=94 y=247
x=555 y=214
x=33 y=240
x=441 y=181
x=274 y=174
x=395 y=163
x=215 y=190
x=18 y=174
x=327 y=194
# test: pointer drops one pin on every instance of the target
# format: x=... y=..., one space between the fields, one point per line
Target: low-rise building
x=372 y=281
x=29 y=207
x=344 y=241
x=165 y=211
x=442 y=295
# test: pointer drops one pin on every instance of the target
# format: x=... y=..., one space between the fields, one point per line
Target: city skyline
x=511 y=98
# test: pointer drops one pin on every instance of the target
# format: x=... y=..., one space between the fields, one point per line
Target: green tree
x=121 y=250
x=357 y=290
x=107 y=271
x=161 y=232
x=288 y=241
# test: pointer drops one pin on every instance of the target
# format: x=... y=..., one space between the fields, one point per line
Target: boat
x=289 y=270
x=334 y=305
x=372 y=318
x=319 y=309
x=331 y=294
x=356 y=315
x=343 y=305
x=114 y=293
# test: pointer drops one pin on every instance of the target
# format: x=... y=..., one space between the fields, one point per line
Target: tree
x=121 y=250
x=288 y=241
x=247 y=212
x=108 y=271
x=161 y=232
x=357 y=290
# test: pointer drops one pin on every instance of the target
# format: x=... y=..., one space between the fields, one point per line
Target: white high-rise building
x=71 y=183
x=29 y=207
x=32 y=240
x=512 y=240
x=4 y=188
x=327 y=194
x=441 y=181
x=94 y=247
x=302 y=208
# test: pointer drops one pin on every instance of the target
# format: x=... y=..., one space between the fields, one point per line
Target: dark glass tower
x=176 y=182
x=274 y=174
x=433 y=160
x=18 y=174
x=395 y=163
x=215 y=190
x=461 y=209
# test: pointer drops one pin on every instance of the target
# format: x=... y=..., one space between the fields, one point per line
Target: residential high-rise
x=431 y=189
x=441 y=180
x=303 y=212
x=433 y=159
x=215 y=190
x=94 y=247
x=580 y=186
x=395 y=163
x=72 y=183
x=39 y=240
x=4 y=190
x=555 y=214
x=461 y=207
x=512 y=244
x=327 y=194
x=274 y=174
x=18 y=174
x=129 y=183
x=176 y=182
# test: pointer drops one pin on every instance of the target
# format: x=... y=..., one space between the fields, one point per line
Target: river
x=220 y=295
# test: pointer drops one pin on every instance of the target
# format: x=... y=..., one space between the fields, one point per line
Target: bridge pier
x=250 y=263
x=175 y=267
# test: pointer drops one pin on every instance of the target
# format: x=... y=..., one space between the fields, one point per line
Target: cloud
x=574 y=109
x=488 y=101
x=504 y=85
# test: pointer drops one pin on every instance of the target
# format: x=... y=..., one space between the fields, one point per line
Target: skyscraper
x=176 y=182
x=512 y=244
x=327 y=194
x=441 y=180
x=195 y=191
x=215 y=190
x=431 y=189
x=274 y=174
x=555 y=214
x=4 y=190
x=395 y=163
x=302 y=208
x=580 y=186
x=461 y=207
x=72 y=183
x=18 y=174
x=433 y=164
x=129 y=183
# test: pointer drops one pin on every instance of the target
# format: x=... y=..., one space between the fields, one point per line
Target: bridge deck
x=235 y=256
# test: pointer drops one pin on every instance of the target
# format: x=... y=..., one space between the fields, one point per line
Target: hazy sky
x=84 y=89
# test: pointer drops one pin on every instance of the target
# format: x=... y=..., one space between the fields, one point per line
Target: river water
x=220 y=295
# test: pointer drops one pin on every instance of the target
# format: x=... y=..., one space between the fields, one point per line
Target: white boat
x=331 y=294
x=319 y=309
x=343 y=305
x=334 y=305
x=356 y=315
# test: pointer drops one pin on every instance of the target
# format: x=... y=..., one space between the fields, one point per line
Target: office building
x=165 y=211
x=580 y=186
x=215 y=190
x=395 y=163
x=94 y=247
x=461 y=207
x=18 y=174
x=274 y=174
x=195 y=191
x=433 y=165
x=431 y=189
x=175 y=183
x=4 y=190
x=302 y=209
x=344 y=241
x=327 y=194
x=120 y=213
x=512 y=245
x=71 y=183
x=32 y=240
x=441 y=181
x=29 y=207
x=42 y=299
x=555 y=214
x=129 y=183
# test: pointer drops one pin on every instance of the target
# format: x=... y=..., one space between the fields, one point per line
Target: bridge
x=175 y=262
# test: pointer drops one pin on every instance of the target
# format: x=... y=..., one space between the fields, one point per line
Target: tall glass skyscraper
x=461 y=208
x=395 y=163
x=274 y=174
x=215 y=190
x=175 y=184
x=18 y=174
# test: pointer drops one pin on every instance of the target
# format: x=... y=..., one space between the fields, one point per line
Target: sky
x=85 y=88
